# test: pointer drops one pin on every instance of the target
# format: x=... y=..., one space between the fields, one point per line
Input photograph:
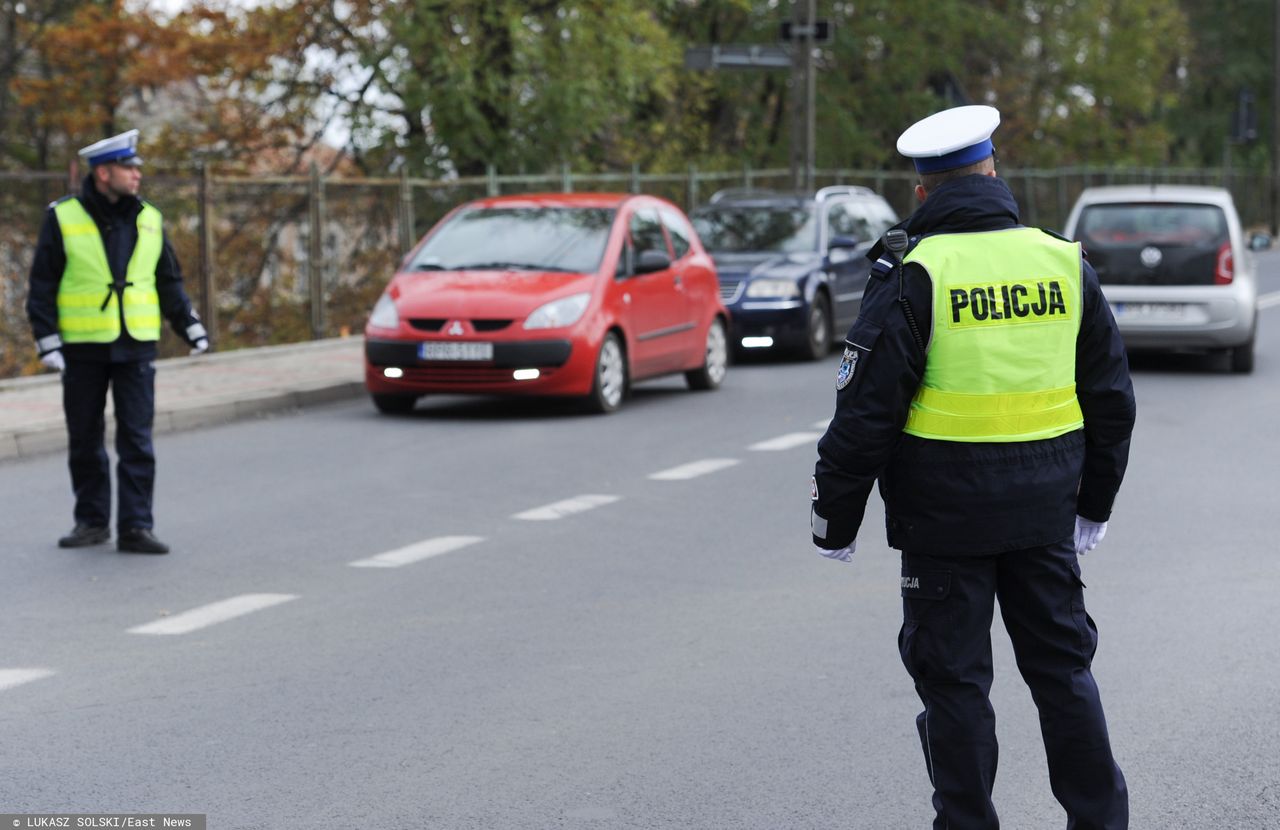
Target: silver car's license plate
x=455 y=351
x=1149 y=311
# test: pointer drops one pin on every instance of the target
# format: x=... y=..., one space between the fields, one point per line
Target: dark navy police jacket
x=118 y=224
x=951 y=497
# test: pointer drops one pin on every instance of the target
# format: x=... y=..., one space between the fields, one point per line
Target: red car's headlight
x=384 y=314
x=559 y=313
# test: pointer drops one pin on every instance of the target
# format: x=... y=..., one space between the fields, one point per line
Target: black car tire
x=392 y=404
x=1242 y=357
x=715 y=360
x=817 y=343
x=611 y=376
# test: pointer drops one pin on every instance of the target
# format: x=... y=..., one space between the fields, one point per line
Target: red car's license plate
x=455 y=351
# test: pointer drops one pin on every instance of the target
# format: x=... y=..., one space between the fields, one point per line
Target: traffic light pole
x=803 y=87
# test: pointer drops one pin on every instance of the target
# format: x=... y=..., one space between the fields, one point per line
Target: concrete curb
x=50 y=435
x=236 y=356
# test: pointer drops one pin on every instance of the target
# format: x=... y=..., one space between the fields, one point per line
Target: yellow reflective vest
x=1001 y=360
x=88 y=310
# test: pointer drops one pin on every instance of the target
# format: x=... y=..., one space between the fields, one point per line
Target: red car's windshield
x=519 y=238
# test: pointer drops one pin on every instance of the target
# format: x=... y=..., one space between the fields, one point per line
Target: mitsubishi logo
x=456 y=329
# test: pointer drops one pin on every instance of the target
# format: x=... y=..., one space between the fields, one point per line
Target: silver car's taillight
x=1224 y=270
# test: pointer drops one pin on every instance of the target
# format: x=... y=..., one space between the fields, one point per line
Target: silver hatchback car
x=1174 y=265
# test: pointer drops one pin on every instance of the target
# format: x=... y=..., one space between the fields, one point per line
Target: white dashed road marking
x=16 y=677
x=417 y=552
x=212 y=614
x=1268 y=300
x=694 y=469
x=823 y=424
x=786 y=442
x=564 y=508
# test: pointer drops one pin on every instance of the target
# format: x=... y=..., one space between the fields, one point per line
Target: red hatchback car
x=570 y=294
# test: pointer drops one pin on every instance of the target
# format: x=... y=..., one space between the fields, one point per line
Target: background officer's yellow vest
x=87 y=302
x=1002 y=357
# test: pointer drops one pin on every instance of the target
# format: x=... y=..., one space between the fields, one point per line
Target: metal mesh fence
x=256 y=266
x=280 y=260
x=23 y=198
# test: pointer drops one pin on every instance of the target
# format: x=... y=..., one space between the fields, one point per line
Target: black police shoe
x=140 y=540
x=82 y=536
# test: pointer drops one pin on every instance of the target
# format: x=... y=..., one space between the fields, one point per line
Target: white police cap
x=949 y=139
x=121 y=149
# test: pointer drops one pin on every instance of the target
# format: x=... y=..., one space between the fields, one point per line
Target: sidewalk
x=195 y=391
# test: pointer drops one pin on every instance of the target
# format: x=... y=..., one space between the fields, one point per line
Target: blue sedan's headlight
x=773 y=289
x=559 y=313
x=384 y=314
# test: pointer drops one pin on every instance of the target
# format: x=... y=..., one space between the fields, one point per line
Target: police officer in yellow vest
x=985 y=386
x=103 y=276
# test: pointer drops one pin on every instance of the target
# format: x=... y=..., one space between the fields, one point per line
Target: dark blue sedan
x=792 y=268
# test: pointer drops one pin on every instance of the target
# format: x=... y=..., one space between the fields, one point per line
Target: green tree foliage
x=442 y=87
x=1233 y=50
x=732 y=118
x=454 y=86
x=1089 y=81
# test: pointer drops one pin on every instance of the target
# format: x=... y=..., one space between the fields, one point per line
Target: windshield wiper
x=490 y=266
x=428 y=266
x=506 y=266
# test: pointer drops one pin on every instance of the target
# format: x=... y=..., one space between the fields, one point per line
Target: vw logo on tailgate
x=1150 y=256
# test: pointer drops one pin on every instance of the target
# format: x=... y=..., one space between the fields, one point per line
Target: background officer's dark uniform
x=981 y=520
x=126 y=365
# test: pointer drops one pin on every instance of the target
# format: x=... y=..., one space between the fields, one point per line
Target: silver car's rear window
x=1155 y=243
x=1155 y=223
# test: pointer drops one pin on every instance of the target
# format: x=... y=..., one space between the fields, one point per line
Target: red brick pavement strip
x=196 y=391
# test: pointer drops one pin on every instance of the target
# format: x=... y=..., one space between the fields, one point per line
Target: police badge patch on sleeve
x=848 y=363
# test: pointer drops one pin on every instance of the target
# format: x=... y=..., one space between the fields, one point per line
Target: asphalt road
x=493 y=615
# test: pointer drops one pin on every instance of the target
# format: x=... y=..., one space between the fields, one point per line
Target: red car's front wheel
x=610 y=376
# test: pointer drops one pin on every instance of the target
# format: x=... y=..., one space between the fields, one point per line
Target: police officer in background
x=985 y=386
x=103 y=275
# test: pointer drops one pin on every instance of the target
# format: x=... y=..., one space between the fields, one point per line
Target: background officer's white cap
x=121 y=149
x=949 y=139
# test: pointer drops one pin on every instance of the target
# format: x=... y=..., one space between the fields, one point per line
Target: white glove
x=1088 y=534
x=201 y=346
x=844 y=554
x=54 y=360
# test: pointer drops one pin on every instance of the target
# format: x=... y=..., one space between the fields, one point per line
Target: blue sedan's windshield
x=521 y=239
x=757 y=229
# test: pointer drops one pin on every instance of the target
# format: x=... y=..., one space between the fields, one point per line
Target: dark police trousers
x=946 y=646
x=84 y=399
